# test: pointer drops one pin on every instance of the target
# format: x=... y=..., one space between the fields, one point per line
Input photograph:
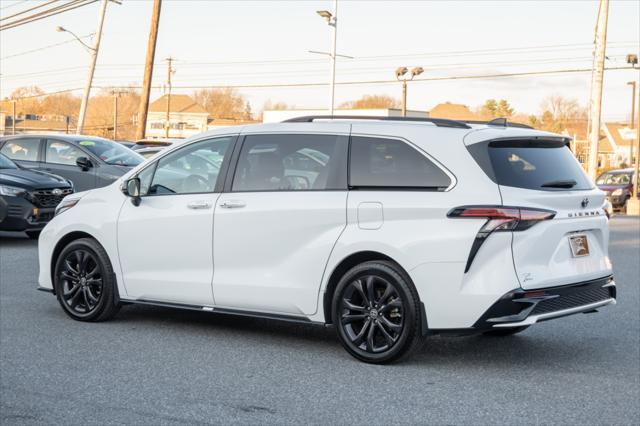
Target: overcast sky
x=267 y=42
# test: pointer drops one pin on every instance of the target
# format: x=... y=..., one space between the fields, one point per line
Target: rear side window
x=299 y=162
x=537 y=165
x=22 y=149
x=391 y=163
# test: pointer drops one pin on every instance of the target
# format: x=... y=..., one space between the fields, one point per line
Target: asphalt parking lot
x=159 y=366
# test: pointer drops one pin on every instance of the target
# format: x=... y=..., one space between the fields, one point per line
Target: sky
x=248 y=43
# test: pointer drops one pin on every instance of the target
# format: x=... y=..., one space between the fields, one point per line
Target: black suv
x=28 y=198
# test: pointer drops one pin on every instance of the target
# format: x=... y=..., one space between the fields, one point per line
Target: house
x=452 y=112
x=621 y=138
x=186 y=117
x=275 y=116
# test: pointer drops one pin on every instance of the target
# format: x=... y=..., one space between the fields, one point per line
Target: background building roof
x=179 y=103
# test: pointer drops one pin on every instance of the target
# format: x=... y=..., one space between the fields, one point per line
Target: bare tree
x=558 y=113
x=222 y=103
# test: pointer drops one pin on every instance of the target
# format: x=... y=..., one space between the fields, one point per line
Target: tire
x=84 y=282
x=393 y=313
x=506 y=331
x=33 y=235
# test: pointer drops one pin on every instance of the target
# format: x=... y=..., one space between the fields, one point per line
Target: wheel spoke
x=94 y=281
x=74 y=300
x=71 y=291
x=70 y=268
x=395 y=303
x=390 y=340
x=92 y=298
x=363 y=332
x=86 y=299
x=388 y=291
x=392 y=326
x=347 y=318
x=91 y=273
x=370 y=292
x=352 y=307
x=358 y=285
x=68 y=276
x=372 y=329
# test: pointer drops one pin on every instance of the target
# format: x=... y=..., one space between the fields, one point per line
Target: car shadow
x=533 y=349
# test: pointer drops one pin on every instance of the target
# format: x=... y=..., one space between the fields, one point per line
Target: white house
x=186 y=117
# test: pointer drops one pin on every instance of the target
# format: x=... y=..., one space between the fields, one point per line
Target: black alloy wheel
x=376 y=312
x=84 y=281
x=81 y=278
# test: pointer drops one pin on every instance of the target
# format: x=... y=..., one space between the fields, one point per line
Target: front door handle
x=199 y=205
x=233 y=204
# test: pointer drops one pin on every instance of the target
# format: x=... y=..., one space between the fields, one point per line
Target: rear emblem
x=584 y=203
x=57 y=191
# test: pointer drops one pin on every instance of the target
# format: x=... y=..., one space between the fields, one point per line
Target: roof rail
x=440 y=122
x=501 y=121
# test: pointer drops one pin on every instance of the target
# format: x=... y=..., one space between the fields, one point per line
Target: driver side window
x=189 y=170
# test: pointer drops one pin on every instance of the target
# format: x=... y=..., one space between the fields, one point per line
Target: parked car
x=149 y=151
x=145 y=143
x=28 y=198
x=88 y=161
x=389 y=229
x=618 y=185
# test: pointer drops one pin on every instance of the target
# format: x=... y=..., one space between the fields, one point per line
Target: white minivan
x=388 y=229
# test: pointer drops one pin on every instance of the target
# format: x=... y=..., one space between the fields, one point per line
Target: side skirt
x=226 y=311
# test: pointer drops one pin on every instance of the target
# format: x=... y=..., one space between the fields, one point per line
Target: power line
x=71 y=5
x=28 y=10
x=39 y=49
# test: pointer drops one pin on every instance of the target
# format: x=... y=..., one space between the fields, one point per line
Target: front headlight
x=617 y=192
x=66 y=204
x=11 y=191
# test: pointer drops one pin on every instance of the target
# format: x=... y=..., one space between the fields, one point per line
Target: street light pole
x=633 y=116
x=334 y=38
x=401 y=75
x=92 y=68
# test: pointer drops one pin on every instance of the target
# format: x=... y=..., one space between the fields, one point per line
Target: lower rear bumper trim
x=557 y=314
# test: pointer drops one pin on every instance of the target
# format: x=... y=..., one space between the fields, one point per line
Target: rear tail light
x=498 y=219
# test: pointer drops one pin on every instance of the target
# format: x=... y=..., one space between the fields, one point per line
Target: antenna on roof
x=500 y=121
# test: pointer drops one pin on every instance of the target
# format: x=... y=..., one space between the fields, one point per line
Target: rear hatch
x=542 y=173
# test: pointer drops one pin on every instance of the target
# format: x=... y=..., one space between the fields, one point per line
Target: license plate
x=579 y=245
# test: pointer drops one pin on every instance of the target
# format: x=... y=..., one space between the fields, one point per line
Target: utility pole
x=404 y=98
x=633 y=116
x=334 y=39
x=116 y=94
x=401 y=75
x=167 y=118
x=148 y=70
x=13 y=117
x=597 y=77
x=92 y=68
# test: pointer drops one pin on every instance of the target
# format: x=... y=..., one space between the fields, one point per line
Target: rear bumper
x=522 y=308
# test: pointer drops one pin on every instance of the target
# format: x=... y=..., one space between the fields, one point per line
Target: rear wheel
x=376 y=312
x=505 y=331
x=84 y=281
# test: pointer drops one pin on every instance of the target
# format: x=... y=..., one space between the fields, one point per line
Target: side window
x=192 y=169
x=291 y=163
x=62 y=153
x=391 y=163
x=22 y=149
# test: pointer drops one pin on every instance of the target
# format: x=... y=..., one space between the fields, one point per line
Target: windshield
x=112 y=152
x=5 y=163
x=614 y=179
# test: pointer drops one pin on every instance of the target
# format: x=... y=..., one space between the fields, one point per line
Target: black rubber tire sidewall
x=106 y=307
x=411 y=332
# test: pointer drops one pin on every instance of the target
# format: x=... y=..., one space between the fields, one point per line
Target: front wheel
x=84 y=281
x=376 y=312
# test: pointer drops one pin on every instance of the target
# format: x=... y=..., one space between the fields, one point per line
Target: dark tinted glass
x=5 y=163
x=540 y=168
x=291 y=163
x=389 y=163
x=22 y=149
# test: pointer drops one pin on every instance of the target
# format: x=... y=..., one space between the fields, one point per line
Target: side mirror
x=132 y=189
x=84 y=163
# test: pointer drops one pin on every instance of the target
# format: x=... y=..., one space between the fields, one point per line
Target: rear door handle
x=199 y=205
x=233 y=204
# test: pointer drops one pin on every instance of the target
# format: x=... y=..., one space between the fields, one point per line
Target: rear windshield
x=614 y=179
x=549 y=167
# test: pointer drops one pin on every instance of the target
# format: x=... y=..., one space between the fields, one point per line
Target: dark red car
x=618 y=185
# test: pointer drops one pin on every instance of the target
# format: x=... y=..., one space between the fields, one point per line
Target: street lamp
x=332 y=21
x=401 y=75
x=93 y=52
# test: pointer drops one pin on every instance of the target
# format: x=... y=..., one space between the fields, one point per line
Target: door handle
x=233 y=204
x=199 y=205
